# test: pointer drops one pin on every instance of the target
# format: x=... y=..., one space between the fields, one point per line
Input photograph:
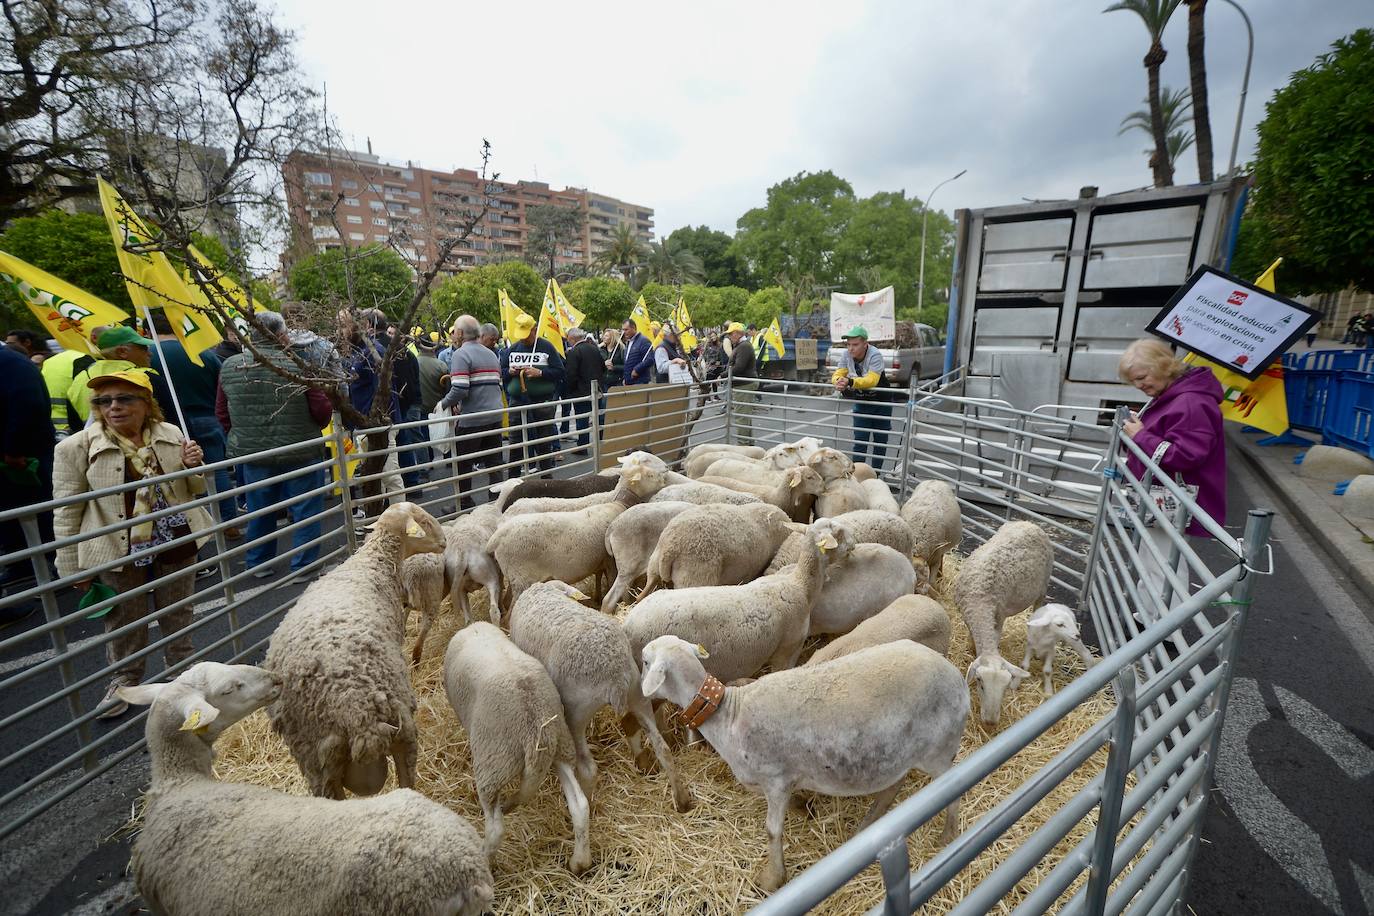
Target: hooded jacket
x=1183 y=426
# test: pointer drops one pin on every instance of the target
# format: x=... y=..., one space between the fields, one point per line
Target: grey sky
x=695 y=110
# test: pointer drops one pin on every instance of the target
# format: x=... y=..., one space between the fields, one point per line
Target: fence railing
x=1328 y=392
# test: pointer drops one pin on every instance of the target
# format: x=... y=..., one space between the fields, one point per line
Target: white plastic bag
x=441 y=431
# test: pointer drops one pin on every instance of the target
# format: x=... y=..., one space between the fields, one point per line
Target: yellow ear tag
x=701 y=651
x=192 y=722
x=578 y=596
x=827 y=542
x=414 y=530
x=793 y=480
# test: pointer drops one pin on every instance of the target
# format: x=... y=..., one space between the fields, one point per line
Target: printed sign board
x=1231 y=322
x=876 y=312
x=805 y=348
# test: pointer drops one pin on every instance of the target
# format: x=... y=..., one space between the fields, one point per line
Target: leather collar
x=705 y=703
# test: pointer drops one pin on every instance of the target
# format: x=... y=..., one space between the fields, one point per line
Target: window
x=379 y=221
x=407 y=174
x=381 y=238
x=356 y=236
x=351 y=202
x=355 y=220
x=413 y=194
x=415 y=210
x=320 y=178
x=349 y=184
x=375 y=204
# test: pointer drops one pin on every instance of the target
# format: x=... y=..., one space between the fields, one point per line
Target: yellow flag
x=773 y=337
x=509 y=312
x=683 y=321
x=640 y=316
x=150 y=277
x=568 y=313
x=351 y=461
x=235 y=298
x=1261 y=403
x=67 y=312
x=550 y=325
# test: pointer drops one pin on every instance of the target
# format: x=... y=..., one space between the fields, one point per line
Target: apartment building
x=358 y=198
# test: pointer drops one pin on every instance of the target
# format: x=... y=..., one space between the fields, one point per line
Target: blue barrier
x=1310 y=378
x=1349 y=420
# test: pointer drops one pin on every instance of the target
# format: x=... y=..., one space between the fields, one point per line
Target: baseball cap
x=734 y=326
x=119 y=335
x=857 y=331
x=523 y=325
x=132 y=376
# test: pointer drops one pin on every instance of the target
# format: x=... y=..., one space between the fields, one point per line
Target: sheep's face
x=831 y=538
x=785 y=456
x=643 y=460
x=807 y=446
x=665 y=660
x=994 y=675
x=1054 y=621
x=209 y=697
x=643 y=481
x=830 y=464
x=804 y=481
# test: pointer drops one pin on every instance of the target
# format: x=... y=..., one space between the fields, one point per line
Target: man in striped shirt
x=475 y=395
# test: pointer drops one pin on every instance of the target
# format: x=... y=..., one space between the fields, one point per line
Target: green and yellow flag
x=235 y=298
x=683 y=322
x=640 y=316
x=152 y=281
x=569 y=316
x=67 y=312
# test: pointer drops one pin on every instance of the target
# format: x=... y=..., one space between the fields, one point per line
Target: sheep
x=207 y=846
x=748 y=451
x=914 y=617
x=704 y=494
x=778 y=458
x=571 y=488
x=879 y=495
x=868 y=579
x=716 y=545
x=346 y=702
x=512 y=713
x=1045 y=630
x=588 y=656
x=1006 y=575
x=701 y=457
x=567 y=545
x=840 y=495
x=932 y=514
x=631 y=539
x=864 y=471
x=795 y=494
x=865 y=526
x=746 y=626
x=852 y=726
x=831 y=464
x=537 y=504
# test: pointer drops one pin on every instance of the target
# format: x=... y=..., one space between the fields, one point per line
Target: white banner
x=876 y=312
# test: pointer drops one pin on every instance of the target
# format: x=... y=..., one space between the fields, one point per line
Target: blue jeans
x=872 y=424
x=412 y=457
x=584 y=419
x=277 y=492
x=209 y=435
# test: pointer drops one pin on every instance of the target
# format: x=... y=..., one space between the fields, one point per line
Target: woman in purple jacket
x=1180 y=427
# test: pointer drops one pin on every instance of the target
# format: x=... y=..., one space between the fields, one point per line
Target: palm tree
x=1177 y=144
x=673 y=265
x=1174 y=106
x=625 y=250
x=1155 y=14
x=1197 y=76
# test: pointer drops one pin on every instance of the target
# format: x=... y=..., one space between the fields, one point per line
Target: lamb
x=914 y=617
x=932 y=514
x=567 y=545
x=864 y=471
x=795 y=494
x=1003 y=577
x=748 y=451
x=704 y=494
x=868 y=579
x=778 y=458
x=745 y=627
x=220 y=847
x=631 y=539
x=879 y=495
x=346 y=701
x=572 y=488
x=1045 y=630
x=716 y=545
x=853 y=726
x=761 y=473
x=865 y=526
x=588 y=656
x=512 y=713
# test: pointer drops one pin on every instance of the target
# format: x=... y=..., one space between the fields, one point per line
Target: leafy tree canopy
x=75 y=247
x=474 y=292
x=881 y=246
x=551 y=229
x=605 y=301
x=798 y=229
x=765 y=305
x=721 y=263
x=379 y=278
x=1313 y=200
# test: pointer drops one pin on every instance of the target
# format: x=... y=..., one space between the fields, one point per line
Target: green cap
x=118 y=336
x=857 y=331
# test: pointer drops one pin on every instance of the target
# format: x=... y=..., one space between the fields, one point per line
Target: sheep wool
x=705 y=494
x=859 y=584
x=932 y=515
x=630 y=541
x=914 y=617
x=717 y=545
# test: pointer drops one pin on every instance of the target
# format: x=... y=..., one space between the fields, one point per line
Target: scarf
x=151 y=497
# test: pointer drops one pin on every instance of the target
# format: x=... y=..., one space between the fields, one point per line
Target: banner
x=68 y=313
x=876 y=311
x=550 y=324
x=772 y=336
x=568 y=313
x=683 y=322
x=235 y=302
x=640 y=316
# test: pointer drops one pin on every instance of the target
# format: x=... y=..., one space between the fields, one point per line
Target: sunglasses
x=123 y=400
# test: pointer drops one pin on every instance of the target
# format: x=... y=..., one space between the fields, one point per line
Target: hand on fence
x=191 y=454
x=1133 y=425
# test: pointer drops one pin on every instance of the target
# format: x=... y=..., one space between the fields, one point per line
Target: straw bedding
x=650 y=859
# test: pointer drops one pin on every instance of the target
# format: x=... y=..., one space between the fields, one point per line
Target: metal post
x=1108 y=474
x=729 y=405
x=1113 y=792
x=895 y=863
x=221 y=549
x=594 y=427
x=75 y=707
x=908 y=434
x=925 y=212
x=345 y=495
x=1244 y=86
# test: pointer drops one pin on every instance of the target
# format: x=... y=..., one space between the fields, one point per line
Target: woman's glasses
x=123 y=400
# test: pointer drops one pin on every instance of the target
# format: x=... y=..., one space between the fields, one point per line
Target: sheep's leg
x=616 y=593
x=578 y=720
x=629 y=724
x=458 y=597
x=1026 y=662
x=640 y=709
x=426 y=621
x=1083 y=652
x=1047 y=671
x=774 y=872
x=491 y=818
x=405 y=752
x=579 y=811
x=785 y=656
x=881 y=802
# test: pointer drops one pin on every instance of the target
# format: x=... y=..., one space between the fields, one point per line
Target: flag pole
x=167 y=372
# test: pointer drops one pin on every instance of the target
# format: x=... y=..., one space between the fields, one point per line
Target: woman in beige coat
x=127 y=440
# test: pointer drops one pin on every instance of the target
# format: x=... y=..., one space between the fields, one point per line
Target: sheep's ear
x=793 y=479
x=197 y=713
x=827 y=542
x=701 y=651
x=414 y=530
x=653 y=677
x=140 y=694
x=972 y=667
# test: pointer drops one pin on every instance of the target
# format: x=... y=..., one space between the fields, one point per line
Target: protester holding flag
x=129 y=441
x=532 y=370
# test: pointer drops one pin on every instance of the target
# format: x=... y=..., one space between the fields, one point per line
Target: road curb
x=1350 y=553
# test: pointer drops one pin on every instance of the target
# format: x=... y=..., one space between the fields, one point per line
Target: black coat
x=25 y=413
x=584 y=365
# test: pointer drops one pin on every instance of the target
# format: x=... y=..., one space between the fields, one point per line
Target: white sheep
x=743 y=626
x=864 y=471
x=631 y=539
x=537 y=504
x=932 y=514
x=831 y=464
x=1045 y=630
x=702 y=456
x=748 y=451
x=1003 y=577
x=588 y=656
x=513 y=715
x=207 y=846
x=761 y=473
x=347 y=702
x=795 y=494
x=840 y=495
x=704 y=494
x=865 y=526
x=860 y=584
x=914 y=617
x=716 y=545
x=567 y=545
x=879 y=495
x=853 y=726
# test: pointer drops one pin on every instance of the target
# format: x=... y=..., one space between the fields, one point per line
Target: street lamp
x=925 y=212
x=1244 y=86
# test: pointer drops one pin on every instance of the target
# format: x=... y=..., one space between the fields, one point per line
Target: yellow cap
x=132 y=376
x=523 y=325
x=434 y=336
x=734 y=326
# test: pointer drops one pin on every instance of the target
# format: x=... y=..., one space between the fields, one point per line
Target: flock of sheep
x=743 y=558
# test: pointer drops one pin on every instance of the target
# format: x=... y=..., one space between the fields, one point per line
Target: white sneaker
x=264 y=572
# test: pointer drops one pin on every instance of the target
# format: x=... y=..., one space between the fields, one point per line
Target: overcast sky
x=696 y=109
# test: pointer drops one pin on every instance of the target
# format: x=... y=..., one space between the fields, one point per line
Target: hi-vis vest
x=58 y=373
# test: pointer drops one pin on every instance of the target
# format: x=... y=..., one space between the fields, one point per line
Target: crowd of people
x=1359 y=330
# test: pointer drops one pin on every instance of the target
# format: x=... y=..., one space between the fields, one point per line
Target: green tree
x=551 y=229
x=764 y=305
x=721 y=263
x=376 y=276
x=673 y=264
x=881 y=246
x=1313 y=200
x=474 y=292
x=606 y=301
x=75 y=247
x=1175 y=105
x=625 y=250
x=798 y=229
x=1155 y=15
